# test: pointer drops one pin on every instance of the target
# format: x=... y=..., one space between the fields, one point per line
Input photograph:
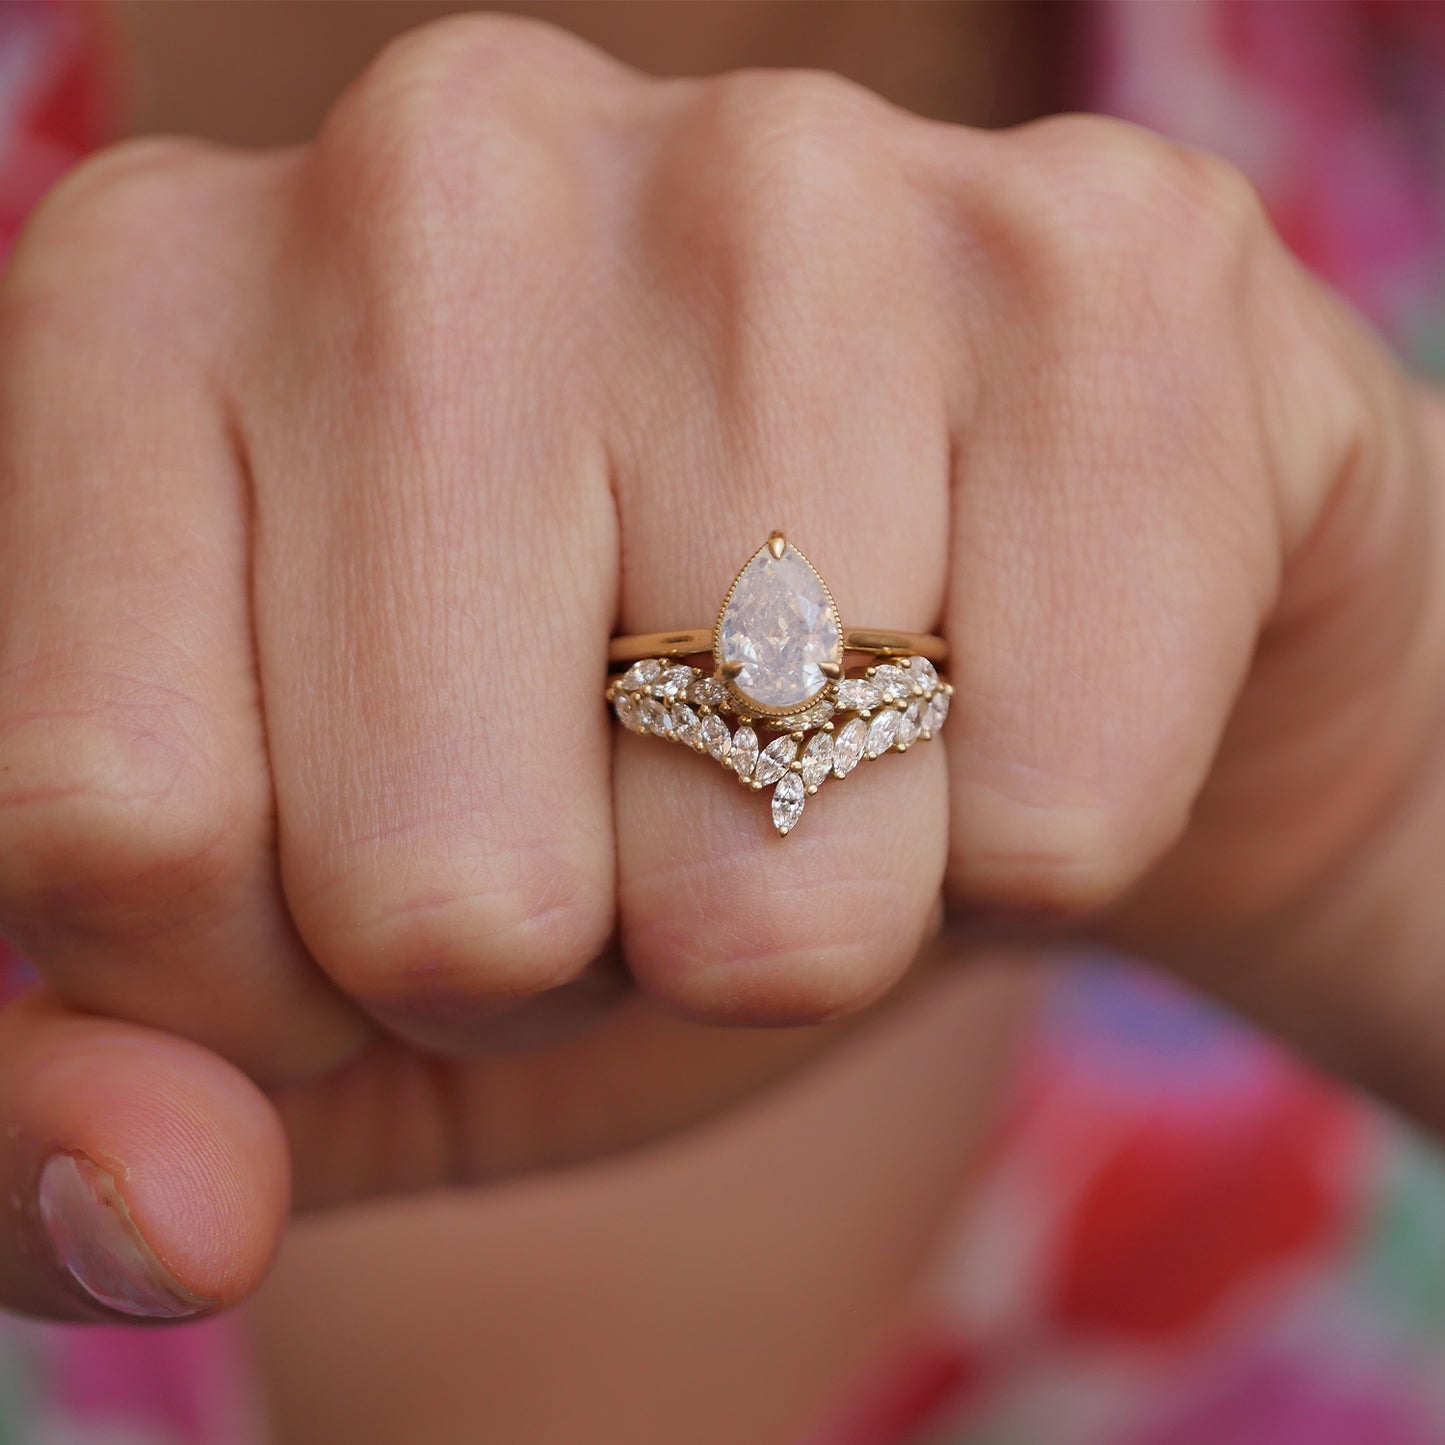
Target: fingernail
x=97 y=1242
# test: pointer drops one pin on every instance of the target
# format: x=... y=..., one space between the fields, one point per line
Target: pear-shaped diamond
x=777 y=629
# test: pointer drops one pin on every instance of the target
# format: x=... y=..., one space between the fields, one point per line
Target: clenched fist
x=326 y=476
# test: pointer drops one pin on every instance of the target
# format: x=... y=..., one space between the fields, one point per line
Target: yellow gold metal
x=777 y=545
x=694 y=641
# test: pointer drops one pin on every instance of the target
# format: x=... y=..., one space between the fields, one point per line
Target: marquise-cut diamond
x=848 y=744
x=715 y=736
x=777 y=628
x=707 y=692
x=775 y=760
x=817 y=759
x=672 y=683
x=788 y=799
x=744 y=753
x=911 y=723
x=684 y=723
x=938 y=709
x=894 y=684
x=813 y=717
x=653 y=714
x=924 y=673
x=883 y=731
x=640 y=674
x=626 y=706
x=857 y=694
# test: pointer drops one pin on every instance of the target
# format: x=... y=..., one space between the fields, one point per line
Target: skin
x=467 y=373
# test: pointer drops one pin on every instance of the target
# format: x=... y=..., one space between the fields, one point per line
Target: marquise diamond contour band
x=778 y=708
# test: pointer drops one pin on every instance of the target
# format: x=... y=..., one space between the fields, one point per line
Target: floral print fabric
x=1184 y=1237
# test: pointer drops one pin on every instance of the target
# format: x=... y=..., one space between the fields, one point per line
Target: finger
x=144 y=1178
x=433 y=604
x=791 y=297
x=136 y=862
x=1113 y=552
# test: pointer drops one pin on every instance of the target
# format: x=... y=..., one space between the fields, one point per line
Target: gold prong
x=730 y=670
x=777 y=544
x=831 y=670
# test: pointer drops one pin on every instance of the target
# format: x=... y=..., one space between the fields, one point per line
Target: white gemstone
x=714 y=733
x=640 y=674
x=626 y=706
x=895 y=684
x=708 y=692
x=788 y=799
x=672 y=684
x=775 y=760
x=817 y=759
x=848 y=743
x=911 y=723
x=745 y=751
x=778 y=626
x=813 y=717
x=654 y=715
x=883 y=731
x=938 y=709
x=923 y=672
x=684 y=723
x=856 y=694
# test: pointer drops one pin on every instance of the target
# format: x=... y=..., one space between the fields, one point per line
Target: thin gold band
x=692 y=641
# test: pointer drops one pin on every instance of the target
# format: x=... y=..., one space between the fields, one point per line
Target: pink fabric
x=1185 y=1238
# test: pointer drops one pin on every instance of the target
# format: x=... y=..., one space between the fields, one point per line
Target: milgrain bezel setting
x=886 y=707
x=777 y=546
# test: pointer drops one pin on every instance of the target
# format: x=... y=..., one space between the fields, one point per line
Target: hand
x=327 y=475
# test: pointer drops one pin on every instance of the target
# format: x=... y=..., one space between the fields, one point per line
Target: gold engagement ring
x=778 y=708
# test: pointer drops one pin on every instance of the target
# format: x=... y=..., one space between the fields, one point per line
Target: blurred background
x=1163 y=1230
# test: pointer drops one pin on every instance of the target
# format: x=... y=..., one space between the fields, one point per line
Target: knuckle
x=116 y=205
x=1102 y=200
x=125 y=246
x=1051 y=864
x=799 y=952
x=439 y=951
x=791 y=141
x=110 y=819
x=457 y=119
x=460 y=153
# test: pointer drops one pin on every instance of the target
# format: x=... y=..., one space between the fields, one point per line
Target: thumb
x=142 y=1177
